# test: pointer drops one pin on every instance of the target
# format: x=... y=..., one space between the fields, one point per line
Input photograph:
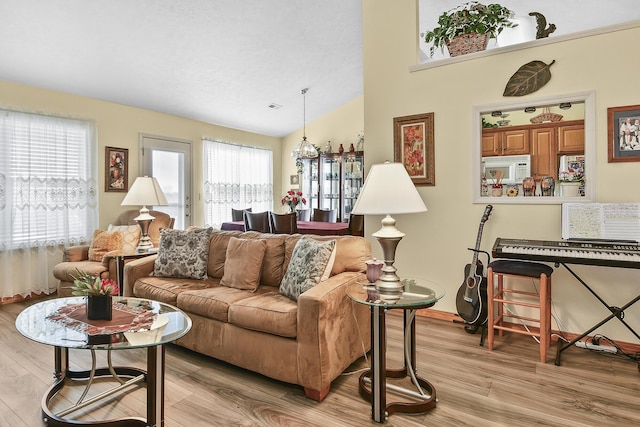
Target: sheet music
x=601 y=221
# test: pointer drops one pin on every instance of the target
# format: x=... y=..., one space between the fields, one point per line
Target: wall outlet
x=592 y=346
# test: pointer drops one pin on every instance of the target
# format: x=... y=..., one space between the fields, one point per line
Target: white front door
x=169 y=161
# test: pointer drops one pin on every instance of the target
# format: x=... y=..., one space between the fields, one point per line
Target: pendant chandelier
x=304 y=150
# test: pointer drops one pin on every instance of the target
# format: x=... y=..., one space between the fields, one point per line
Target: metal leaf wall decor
x=528 y=79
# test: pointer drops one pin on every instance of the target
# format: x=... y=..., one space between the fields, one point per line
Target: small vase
x=99 y=307
x=496 y=191
x=570 y=189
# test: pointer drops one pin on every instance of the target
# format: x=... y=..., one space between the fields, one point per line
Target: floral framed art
x=413 y=147
x=623 y=130
x=116 y=169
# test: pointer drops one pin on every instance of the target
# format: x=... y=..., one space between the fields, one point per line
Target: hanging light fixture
x=304 y=150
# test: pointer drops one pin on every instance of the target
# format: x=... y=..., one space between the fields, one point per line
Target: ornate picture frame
x=623 y=133
x=116 y=169
x=413 y=144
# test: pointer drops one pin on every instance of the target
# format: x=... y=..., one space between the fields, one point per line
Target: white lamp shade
x=388 y=189
x=145 y=191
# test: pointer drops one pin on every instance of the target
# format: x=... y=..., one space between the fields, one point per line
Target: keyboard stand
x=616 y=312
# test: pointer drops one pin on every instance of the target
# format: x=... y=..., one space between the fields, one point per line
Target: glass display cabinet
x=333 y=181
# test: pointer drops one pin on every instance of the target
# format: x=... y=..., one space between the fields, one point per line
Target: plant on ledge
x=473 y=20
x=292 y=199
x=86 y=284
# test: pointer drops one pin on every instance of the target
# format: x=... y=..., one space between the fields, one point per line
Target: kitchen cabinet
x=505 y=142
x=544 y=159
x=333 y=181
x=571 y=139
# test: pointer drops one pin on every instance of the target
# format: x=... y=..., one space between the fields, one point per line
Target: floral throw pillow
x=308 y=263
x=183 y=253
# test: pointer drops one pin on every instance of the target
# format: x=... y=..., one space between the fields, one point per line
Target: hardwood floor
x=475 y=387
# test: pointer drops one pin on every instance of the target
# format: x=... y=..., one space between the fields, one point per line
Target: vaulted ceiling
x=218 y=61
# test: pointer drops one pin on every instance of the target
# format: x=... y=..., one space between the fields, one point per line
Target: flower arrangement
x=292 y=199
x=572 y=175
x=471 y=17
x=86 y=284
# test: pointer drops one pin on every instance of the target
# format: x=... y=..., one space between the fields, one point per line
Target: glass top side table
x=418 y=294
x=36 y=323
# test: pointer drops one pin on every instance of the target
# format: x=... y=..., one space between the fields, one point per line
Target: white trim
x=526 y=45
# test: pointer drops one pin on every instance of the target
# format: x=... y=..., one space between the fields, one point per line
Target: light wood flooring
x=475 y=387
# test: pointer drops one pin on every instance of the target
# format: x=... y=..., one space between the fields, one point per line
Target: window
x=235 y=176
x=48 y=187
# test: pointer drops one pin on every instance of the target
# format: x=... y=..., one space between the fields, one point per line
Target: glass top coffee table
x=136 y=323
x=418 y=294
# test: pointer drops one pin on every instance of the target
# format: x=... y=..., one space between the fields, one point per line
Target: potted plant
x=468 y=27
x=292 y=199
x=98 y=292
x=570 y=182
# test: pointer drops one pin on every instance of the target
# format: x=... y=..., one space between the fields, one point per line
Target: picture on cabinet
x=413 y=147
x=116 y=169
x=623 y=130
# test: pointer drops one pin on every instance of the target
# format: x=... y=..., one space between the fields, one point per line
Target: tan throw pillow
x=130 y=235
x=243 y=263
x=308 y=264
x=104 y=242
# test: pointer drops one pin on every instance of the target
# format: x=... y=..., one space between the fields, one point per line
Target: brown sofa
x=309 y=342
x=77 y=257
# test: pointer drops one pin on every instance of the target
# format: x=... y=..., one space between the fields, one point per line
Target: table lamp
x=145 y=191
x=387 y=190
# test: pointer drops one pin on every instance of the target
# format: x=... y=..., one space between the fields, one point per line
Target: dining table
x=304 y=227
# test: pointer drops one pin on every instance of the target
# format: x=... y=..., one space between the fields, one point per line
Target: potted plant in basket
x=98 y=292
x=292 y=199
x=468 y=27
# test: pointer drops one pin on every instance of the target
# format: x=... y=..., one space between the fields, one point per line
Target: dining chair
x=238 y=214
x=322 y=215
x=356 y=225
x=304 y=215
x=258 y=221
x=283 y=223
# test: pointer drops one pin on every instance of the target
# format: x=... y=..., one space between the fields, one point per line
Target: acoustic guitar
x=471 y=300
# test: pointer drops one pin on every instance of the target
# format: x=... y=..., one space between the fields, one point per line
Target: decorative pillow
x=308 y=263
x=243 y=263
x=327 y=271
x=130 y=235
x=103 y=242
x=183 y=253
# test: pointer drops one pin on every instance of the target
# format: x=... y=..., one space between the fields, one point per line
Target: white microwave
x=514 y=168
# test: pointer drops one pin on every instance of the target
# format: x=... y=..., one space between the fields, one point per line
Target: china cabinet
x=333 y=181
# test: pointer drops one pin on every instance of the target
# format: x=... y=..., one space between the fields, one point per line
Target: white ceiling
x=218 y=61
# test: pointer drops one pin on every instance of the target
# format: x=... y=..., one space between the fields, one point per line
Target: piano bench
x=499 y=295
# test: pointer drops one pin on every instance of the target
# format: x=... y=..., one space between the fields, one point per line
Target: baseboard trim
x=627 y=347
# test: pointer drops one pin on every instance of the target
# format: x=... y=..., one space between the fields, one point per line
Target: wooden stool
x=500 y=296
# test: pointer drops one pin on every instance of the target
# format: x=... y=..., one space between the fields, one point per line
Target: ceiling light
x=304 y=150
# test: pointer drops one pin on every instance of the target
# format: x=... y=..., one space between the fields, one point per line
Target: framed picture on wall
x=294 y=181
x=116 y=169
x=413 y=147
x=623 y=130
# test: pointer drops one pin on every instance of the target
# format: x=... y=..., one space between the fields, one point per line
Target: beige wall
x=120 y=126
x=437 y=241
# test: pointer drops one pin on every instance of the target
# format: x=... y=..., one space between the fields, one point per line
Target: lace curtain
x=235 y=176
x=48 y=197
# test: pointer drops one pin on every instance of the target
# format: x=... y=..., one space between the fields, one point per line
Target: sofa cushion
x=243 y=263
x=104 y=242
x=66 y=270
x=271 y=313
x=130 y=236
x=183 y=253
x=218 y=243
x=214 y=302
x=273 y=262
x=308 y=263
x=166 y=289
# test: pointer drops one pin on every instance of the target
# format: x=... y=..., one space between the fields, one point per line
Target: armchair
x=77 y=257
